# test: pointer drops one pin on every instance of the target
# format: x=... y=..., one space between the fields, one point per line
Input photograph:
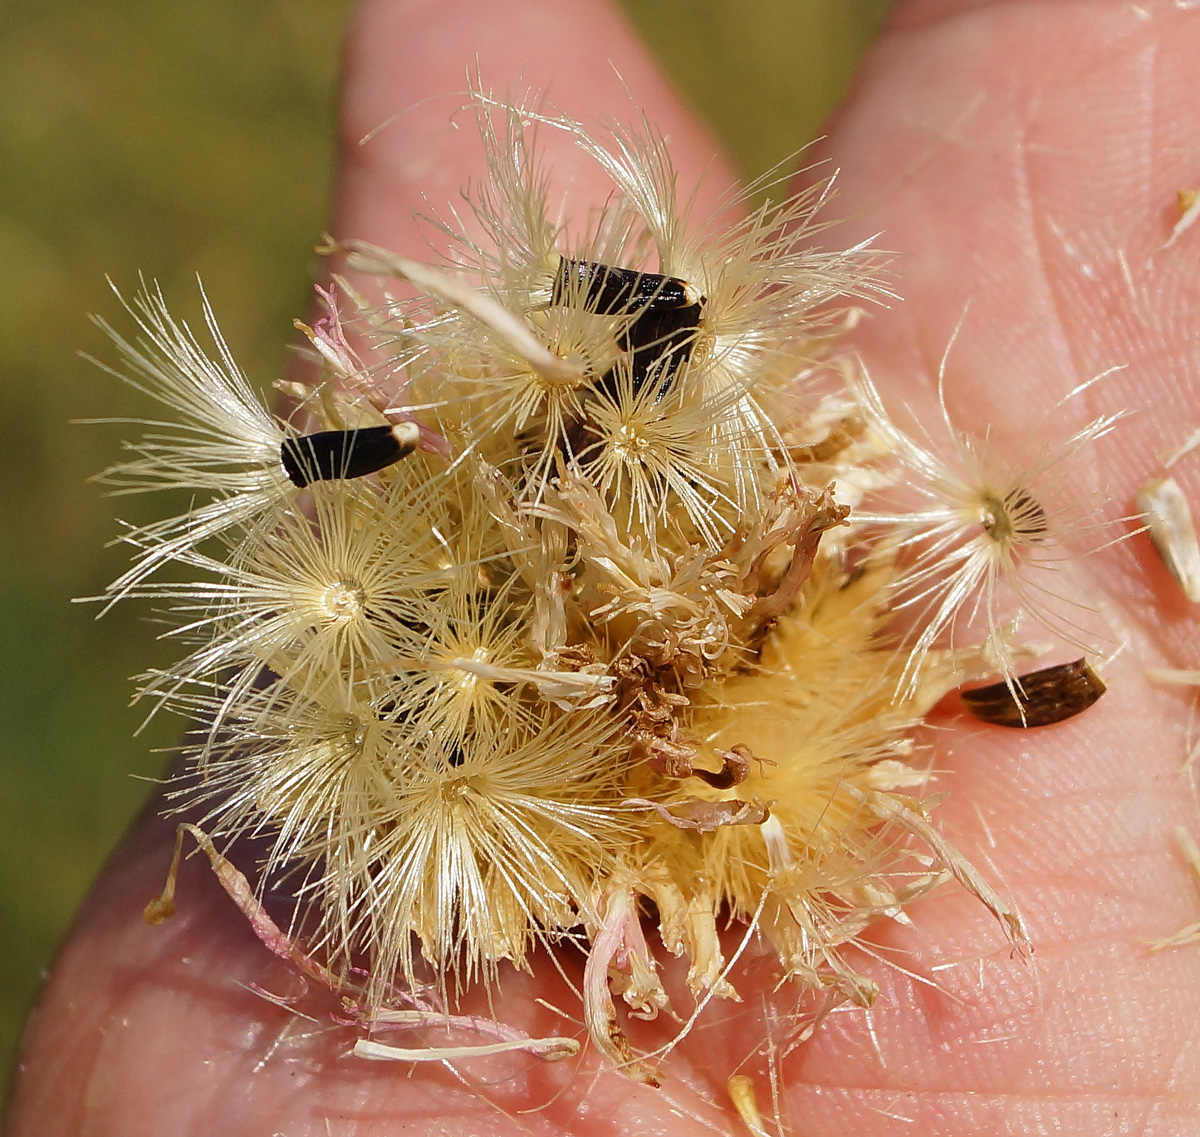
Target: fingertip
x=408 y=66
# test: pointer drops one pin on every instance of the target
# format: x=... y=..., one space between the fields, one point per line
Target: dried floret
x=988 y=532
x=1168 y=518
x=222 y=441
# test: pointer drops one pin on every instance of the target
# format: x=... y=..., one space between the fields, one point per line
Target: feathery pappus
x=569 y=599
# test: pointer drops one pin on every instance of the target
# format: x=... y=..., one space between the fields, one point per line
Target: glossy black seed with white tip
x=333 y=454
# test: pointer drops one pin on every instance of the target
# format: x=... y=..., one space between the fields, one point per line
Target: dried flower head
x=563 y=607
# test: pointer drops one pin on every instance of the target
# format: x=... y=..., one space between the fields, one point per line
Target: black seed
x=610 y=291
x=1037 y=699
x=660 y=343
x=666 y=317
x=331 y=454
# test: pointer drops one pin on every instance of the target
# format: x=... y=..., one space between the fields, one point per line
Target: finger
x=1032 y=197
x=399 y=152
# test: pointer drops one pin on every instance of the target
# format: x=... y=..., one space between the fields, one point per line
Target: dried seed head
x=606 y=636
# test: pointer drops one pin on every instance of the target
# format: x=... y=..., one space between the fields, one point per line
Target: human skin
x=1023 y=159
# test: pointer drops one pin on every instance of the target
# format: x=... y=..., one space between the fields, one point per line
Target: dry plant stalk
x=578 y=603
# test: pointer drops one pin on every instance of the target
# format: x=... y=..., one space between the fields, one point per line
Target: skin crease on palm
x=1023 y=160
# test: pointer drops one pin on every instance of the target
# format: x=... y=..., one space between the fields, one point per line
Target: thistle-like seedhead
x=567 y=592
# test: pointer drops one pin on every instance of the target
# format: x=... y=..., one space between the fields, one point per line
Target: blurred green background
x=184 y=139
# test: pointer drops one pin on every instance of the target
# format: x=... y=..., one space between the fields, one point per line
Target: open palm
x=1023 y=158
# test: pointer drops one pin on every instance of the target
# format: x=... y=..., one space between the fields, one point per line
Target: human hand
x=1010 y=152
